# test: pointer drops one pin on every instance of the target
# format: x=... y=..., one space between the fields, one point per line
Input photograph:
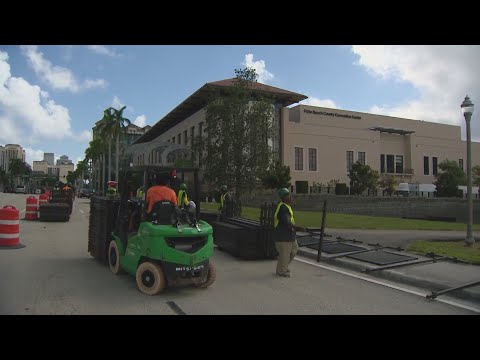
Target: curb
x=392 y=275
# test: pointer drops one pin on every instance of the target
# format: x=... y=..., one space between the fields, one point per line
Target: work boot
x=285 y=274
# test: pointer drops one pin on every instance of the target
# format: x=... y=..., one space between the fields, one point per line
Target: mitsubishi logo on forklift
x=189 y=268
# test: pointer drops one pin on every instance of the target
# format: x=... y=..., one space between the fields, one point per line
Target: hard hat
x=223 y=188
x=183 y=186
x=283 y=192
x=192 y=205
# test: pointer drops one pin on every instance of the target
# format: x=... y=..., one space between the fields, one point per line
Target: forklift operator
x=160 y=192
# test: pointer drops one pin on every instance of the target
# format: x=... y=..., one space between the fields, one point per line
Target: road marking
x=21 y=212
x=81 y=211
x=175 y=308
x=449 y=302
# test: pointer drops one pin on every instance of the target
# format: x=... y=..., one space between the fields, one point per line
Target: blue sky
x=51 y=96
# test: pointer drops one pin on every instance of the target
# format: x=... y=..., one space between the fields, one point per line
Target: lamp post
x=467 y=109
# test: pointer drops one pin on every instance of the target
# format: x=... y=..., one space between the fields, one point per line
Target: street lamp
x=467 y=109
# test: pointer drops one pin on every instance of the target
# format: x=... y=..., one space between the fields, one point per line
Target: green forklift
x=170 y=246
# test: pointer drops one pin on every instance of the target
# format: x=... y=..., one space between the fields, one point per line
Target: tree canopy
x=362 y=177
x=449 y=178
x=239 y=125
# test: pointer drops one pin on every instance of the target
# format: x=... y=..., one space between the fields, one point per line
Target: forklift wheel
x=212 y=274
x=150 y=278
x=114 y=258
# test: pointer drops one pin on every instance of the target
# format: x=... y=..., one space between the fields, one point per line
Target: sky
x=51 y=96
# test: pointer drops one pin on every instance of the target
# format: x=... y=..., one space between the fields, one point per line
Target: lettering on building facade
x=331 y=114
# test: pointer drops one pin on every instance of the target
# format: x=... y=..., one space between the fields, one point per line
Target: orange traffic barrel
x=31 y=212
x=10 y=228
x=43 y=199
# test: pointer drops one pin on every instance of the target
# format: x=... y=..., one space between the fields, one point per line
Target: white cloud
x=263 y=74
x=313 y=101
x=58 y=77
x=32 y=155
x=10 y=132
x=140 y=121
x=441 y=74
x=25 y=105
x=89 y=84
x=117 y=103
x=103 y=50
x=84 y=137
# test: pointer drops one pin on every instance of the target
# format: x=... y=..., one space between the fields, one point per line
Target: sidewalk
x=430 y=276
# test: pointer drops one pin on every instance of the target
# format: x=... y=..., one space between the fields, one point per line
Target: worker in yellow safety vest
x=182 y=197
x=284 y=233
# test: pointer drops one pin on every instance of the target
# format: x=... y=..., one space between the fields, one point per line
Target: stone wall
x=395 y=206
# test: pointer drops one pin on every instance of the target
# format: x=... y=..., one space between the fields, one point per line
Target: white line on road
x=81 y=211
x=453 y=303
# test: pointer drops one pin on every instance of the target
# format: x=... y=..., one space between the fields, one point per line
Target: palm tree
x=121 y=125
x=81 y=168
x=107 y=129
x=95 y=153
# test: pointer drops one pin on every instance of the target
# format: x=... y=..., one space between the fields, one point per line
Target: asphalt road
x=54 y=274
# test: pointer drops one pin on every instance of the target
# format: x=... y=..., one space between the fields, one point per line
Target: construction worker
x=160 y=192
x=183 y=196
x=225 y=199
x=284 y=233
x=140 y=192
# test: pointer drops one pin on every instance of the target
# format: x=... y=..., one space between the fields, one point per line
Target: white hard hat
x=192 y=205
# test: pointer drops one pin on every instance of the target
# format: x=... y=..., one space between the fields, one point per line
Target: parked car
x=85 y=193
x=21 y=189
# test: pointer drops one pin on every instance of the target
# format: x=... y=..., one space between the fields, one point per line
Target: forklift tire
x=211 y=276
x=150 y=278
x=114 y=258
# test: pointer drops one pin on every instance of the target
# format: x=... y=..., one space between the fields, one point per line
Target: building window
x=200 y=128
x=185 y=137
x=382 y=163
x=434 y=165
x=390 y=164
x=361 y=157
x=426 y=168
x=399 y=164
x=312 y=159
x=299 y=159
x=173 y=139
x=192 y=135
x=349 y=160
x=179 y=137
x=460 y=163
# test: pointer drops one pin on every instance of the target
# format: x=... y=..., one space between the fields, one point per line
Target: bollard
x=31 y=212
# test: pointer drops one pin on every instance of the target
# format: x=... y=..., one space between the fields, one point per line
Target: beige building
x=41 y=165
x=9 y=152
x=63 y=170
x=320 y=144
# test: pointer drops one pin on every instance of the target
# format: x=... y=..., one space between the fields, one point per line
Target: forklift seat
x=164 y=213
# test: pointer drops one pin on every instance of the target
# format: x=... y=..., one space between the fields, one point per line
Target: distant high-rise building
x=49 y=158
x=2 y=158
x=64 y=160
